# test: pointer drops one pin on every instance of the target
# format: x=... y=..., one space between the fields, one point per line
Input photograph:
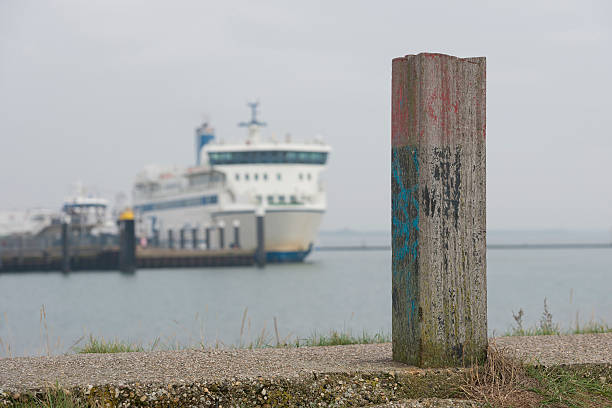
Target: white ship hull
x=289 y=233
x=228 y=186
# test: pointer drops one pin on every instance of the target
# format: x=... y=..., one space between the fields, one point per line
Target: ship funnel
x=204 y=134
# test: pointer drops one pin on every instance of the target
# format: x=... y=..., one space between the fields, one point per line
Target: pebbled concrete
x=356 y=375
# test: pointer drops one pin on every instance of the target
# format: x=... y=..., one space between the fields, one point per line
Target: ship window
x=265 y=176
x=270 y=199
x=258 y=197
x=267 y=156
x=294 y=199
x=308 y=176
x=237 y=176
x=278 y=176
x=246 y=176
x=281 y=199
x=301 y=176
x=256 y=176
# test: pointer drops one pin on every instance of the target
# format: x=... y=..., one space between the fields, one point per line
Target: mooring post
x=207 y=236
x=156 y=238
x=127 y=242
x=65 y=245
x=260 y=252
x=170 y=239
x=182 y=238
x=236 y=244
x=439 y=292
x=221 y=226
x=194 y=238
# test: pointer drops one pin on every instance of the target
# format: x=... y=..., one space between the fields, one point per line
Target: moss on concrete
x=338 y=389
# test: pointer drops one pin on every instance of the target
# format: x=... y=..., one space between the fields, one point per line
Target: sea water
x=347 y=291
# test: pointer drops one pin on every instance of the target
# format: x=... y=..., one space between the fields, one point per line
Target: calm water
x=332 y=290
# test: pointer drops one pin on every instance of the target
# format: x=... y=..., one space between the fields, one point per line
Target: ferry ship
x=232 y=183
x=90 y=219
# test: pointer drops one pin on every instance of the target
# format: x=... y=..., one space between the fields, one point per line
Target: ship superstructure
x=231 y=183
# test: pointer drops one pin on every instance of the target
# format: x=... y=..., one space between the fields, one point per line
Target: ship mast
x=253 y=125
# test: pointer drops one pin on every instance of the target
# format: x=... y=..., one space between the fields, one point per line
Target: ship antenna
x=254 y=121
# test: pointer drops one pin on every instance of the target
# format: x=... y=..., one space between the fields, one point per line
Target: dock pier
x=92 y=259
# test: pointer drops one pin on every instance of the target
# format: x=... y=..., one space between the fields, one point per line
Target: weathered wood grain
x=438 y=184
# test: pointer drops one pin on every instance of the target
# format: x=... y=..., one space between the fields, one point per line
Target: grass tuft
x=114 y=346
x=336 y=338
x=562 y=387
x=53 y=398
x=504 y=381
x=500 y=382
x=546 y=326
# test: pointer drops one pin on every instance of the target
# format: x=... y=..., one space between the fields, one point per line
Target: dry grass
x=504 y=381
x=501 y=382
x=55 y=397
x=546 y=325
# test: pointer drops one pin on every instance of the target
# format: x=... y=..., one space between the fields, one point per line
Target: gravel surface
x=357 y=375
x=193 y=365
x=556 y=350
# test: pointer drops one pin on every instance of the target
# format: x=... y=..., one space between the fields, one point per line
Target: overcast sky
x=94 y=91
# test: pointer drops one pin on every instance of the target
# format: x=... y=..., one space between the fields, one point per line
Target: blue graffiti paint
x=405 y=219
x=404 y=224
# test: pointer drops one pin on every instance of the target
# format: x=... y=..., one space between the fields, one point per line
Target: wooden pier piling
x=438 y=210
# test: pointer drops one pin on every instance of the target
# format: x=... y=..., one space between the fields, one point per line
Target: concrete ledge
x=345 y=375
x=357 y=375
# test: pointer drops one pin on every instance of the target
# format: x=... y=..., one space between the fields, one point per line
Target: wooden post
x=438 y=185
x=260 y=252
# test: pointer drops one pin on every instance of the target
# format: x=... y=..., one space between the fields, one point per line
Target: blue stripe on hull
x=289 y=256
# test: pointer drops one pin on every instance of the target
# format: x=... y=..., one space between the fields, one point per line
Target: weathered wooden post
x=438 y=210
x=127 y=242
